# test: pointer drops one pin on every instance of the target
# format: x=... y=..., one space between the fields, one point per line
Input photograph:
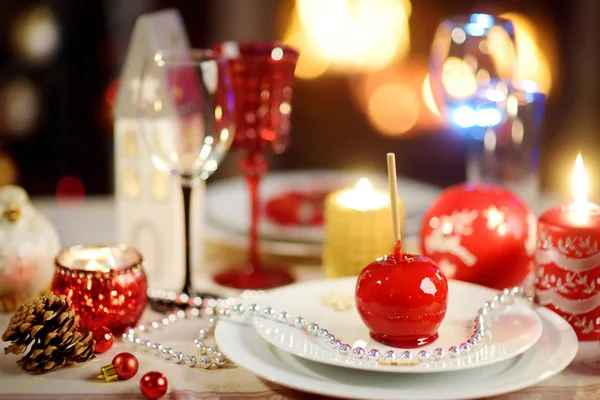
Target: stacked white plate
x=527 y=345
x=228 y=217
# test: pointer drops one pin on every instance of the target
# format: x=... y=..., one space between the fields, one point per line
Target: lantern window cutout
x=160 y=140
x=132 y=186
x=160 y=185
x=130 y=145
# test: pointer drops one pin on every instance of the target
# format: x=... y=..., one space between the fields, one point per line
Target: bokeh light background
x=362 y=88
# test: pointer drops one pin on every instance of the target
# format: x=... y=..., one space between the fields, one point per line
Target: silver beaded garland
x=345 y=349
x=284 y=317
x=358 y=353
x=454 y=351
x=423 y=356
x=167 y=353
x=238 y=309
x=211 y=357
x=178 y=357
x=373 y=355
x=268 y=311
x=439 y=354
x=157 y=348
x=465 y=348
x=190 y=361
x=214 y=357
x=299 y=322
x=205 y=362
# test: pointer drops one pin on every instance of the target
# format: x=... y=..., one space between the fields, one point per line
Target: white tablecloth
x=92 y=222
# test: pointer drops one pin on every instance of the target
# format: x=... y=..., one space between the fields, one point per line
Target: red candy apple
x=402 y=299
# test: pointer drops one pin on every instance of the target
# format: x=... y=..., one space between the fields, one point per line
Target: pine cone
x=50 y=327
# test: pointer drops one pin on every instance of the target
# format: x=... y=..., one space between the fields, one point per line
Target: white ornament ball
x=28 y=245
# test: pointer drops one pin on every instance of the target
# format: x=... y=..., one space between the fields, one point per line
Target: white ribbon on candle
x=552 y=255
x=569 y=306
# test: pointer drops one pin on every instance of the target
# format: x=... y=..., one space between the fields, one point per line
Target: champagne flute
x=185 y=105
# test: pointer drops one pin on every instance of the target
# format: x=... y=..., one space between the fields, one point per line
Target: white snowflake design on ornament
x=496 y=220
x=446 y=236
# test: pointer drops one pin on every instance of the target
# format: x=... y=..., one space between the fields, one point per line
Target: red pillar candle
x=567 y=260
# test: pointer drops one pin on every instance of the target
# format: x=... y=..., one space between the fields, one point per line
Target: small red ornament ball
x=480 y=233
x=126 y=365
x=154 y=385
x=104 y=340
x=402 y=299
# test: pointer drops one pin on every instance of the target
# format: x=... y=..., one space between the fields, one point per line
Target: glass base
x=164 y=306
x=252 y=278
x=404 y=342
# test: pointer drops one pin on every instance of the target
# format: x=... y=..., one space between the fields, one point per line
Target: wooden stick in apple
x=401 y=297
x=393 y=183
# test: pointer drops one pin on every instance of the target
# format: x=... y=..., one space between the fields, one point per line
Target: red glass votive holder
x=106 y=284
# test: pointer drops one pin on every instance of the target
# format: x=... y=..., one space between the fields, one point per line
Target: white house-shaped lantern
x=149 y=204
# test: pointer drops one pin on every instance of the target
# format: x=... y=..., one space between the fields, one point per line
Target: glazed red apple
x=402 y=299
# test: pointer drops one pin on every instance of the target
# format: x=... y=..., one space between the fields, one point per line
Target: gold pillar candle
x=358 y=229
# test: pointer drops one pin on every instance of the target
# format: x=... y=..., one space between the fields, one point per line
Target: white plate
x=550 y=355
x=514 y=332
x=288 y=249
x=275 y=247
x=227 y=201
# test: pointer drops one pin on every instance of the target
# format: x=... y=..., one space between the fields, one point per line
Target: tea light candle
x=106 y=284
x=358 y=229
x=567 y=260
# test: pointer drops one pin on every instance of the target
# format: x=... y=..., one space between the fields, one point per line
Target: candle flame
x=363 y=197
x=579 y=184
x=364 y=185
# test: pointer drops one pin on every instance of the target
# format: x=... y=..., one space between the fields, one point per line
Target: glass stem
x=252 y=182
x=187 y=196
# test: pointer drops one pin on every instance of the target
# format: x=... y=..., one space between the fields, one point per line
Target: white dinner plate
x=227 y=204
x=288 y=249
x=515 y=331
x=550 y=355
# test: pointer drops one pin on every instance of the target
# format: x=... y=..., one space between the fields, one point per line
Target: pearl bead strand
x=227 y=308
x=479 y=336
x=209 y=356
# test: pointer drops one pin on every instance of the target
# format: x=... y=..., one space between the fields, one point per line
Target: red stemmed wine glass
x=262 y=78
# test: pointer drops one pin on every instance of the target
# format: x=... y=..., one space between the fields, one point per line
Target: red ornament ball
x=104 y=340
x=154 y=385
x=402 y=299
x=126 y=365
x=480 y=233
